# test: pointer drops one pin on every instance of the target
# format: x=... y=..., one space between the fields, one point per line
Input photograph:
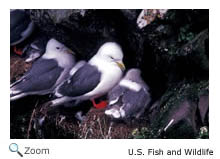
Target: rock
x=131 y=14
x=168 y=61
x=197 y=50
x=176 y=115
x=203 y=107
x=149 y=15
x=181 y=121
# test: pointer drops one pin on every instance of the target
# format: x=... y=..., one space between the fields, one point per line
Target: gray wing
x=116 y=92
x=115 y=96
x=42 y=76
x=19 y=22
x=135 y=103
x=82 y=82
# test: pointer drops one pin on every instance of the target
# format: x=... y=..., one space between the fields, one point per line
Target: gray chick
x=130 y=98
x=36 y=49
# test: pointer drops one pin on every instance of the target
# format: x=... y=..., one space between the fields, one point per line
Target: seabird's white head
x=58 y=51
x=55 y=46
x=133 y=74
x=111 y=52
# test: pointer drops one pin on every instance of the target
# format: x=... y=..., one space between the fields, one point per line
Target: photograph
x=109 y=73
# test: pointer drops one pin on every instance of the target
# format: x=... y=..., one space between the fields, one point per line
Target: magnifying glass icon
x=13 y=147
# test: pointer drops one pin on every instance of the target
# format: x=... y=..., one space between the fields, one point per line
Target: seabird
x=130 y=98
x=36 y=48
x=46 y=73
x=21 y=26
x=95 y=78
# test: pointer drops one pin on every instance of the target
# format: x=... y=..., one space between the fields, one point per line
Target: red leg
x=18 y=51
x=100 y=105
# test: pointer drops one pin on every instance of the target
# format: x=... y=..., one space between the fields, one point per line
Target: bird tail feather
x=16 y=82
x=14 y=97
x=14 y=92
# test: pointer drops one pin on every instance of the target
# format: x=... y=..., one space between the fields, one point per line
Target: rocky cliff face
x=172 y=52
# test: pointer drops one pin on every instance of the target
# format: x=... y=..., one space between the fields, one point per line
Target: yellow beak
x=70 y=51
x=121 y=65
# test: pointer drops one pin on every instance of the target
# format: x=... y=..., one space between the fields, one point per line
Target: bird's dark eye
x=57 y=48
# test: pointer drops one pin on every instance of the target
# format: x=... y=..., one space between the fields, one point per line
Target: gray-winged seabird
x=46 y=73
x=130 y=98
x=95 y=78
x=21 y=26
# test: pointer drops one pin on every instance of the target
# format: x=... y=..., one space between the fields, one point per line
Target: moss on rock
x=179 y=103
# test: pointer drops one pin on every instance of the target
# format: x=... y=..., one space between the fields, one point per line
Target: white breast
x=111 y=75
x=63 y=59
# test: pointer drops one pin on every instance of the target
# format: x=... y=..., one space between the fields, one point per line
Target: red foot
x=100 y=105
x=18 y=51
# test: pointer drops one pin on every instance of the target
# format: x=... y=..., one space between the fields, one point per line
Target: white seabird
x=21 y=26
x=46 y=73
x=130 y=98
x=95 y=78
